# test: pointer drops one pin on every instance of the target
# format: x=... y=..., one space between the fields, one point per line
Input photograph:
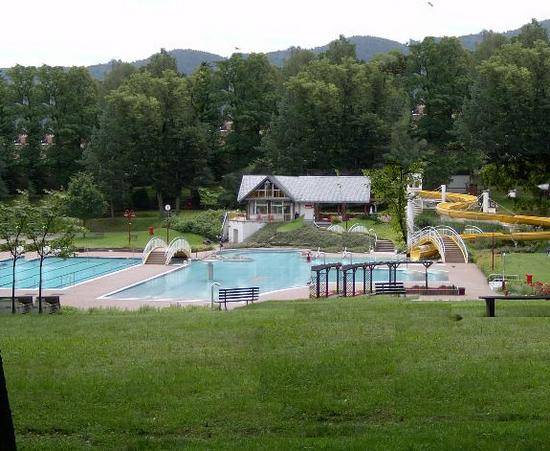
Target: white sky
x=73 y=32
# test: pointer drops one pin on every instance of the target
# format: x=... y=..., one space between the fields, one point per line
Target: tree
x=339 y=50
x=250 y=94
x=160 y=62
x=83 y=198
x=13 y=224
x=27 y=114
x=507 y=116
x=298 y=58
x=70 y=112
x=390 y=184
x=50 y=232
x=531 y=33
x=439 y=80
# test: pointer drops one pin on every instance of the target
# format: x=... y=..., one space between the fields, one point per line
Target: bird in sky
x=430 y=3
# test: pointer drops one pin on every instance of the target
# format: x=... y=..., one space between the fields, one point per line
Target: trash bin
x=151 y=230
x=529 y=279
x=461 y=291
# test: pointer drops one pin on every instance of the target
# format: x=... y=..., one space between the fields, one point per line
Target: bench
x=52 y=304
x=23 y=304
x=248 y=294
x=490 y=301
x=395 y=288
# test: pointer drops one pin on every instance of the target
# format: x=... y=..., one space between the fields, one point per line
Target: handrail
x=431 y=234
x=176 y=245
x=359 y=228
x=452 y=233
x=346 y=253
x=472 y=229
x=224 y=222
x=153 y=243
x=336 y=228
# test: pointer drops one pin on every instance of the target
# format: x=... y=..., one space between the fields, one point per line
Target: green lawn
x=293 y=225
x=537 y=264
x=115 y=231
x=363 y=373
x=120 y=239
x=382 y=230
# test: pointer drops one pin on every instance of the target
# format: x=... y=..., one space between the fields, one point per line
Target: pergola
x=346 y=279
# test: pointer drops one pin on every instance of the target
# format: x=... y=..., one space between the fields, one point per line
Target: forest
x=152 y=135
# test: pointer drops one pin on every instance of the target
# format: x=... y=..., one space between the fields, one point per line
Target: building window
x=260 y=208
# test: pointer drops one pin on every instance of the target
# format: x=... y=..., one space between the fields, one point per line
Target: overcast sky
x=72 y=32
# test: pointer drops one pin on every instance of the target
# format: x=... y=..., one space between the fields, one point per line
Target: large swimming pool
x=270 y=270
x=58 y=272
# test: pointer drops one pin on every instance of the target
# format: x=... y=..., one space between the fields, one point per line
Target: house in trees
x=269 y=198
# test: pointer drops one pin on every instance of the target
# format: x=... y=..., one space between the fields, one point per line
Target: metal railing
x=153 y=244
x=472 y=230
x=452 y=233
x=358 y=228
x=336 y=228
x=429 y=234
x=178 y=244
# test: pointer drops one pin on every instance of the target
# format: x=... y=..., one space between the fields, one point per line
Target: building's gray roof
x=322 y=189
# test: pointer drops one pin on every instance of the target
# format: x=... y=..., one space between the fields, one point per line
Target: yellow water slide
x=456 y=206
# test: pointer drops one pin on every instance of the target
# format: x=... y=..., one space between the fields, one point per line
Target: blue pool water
x=270 y=270
x=58 y=272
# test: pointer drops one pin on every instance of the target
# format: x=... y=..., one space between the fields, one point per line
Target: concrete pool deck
x=88 y=294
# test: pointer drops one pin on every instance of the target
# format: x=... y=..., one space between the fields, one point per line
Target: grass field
x=120 y=239
x=115 y=231
x=537 y=264
x=362 y=373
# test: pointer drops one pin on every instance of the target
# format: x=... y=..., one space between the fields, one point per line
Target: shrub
x=207 y=223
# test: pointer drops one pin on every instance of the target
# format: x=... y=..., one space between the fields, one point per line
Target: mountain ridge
x=188 y=60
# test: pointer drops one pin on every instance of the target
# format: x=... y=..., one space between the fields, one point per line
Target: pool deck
x=88 y=294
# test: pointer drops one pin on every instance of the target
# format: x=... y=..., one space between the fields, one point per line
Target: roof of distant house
x=316 y=189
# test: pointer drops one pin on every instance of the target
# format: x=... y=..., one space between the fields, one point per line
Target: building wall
x=240 y=229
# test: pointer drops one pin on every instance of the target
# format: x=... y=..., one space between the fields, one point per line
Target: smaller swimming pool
x=60 y=273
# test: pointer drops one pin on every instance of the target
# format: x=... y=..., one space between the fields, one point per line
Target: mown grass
x=363 y=373
x=115 y=232
x=293 y=225
x=537 y=264
x=119 y=240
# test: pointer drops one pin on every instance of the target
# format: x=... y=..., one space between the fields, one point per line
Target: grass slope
x=362 y=373
x=537 y=264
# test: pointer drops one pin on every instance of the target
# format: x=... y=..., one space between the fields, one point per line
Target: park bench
x=23 y=304
x=395 y=288
x=247 y=294
x=490 y=301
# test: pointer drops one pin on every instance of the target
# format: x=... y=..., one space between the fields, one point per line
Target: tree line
x=152 y=127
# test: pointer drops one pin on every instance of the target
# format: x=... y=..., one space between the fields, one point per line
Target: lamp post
x=129 y=214
x=504 y=271
x=167 y=208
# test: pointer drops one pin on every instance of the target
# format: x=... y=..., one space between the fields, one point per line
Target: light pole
x=129 y=214
x=167 y=208
x=504 y=271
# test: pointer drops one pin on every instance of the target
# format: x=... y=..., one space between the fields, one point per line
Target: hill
x=470 y=41
x=366 y=46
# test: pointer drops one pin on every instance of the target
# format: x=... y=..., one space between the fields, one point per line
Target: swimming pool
x=270 y=270
x=58 y=272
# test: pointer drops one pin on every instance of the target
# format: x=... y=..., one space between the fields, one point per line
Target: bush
x=207 y=223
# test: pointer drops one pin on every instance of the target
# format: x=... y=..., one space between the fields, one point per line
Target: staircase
x=453 y=254
x=156 y=257
x=384 y=246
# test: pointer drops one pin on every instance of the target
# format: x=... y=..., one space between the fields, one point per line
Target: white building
x=284 y=198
